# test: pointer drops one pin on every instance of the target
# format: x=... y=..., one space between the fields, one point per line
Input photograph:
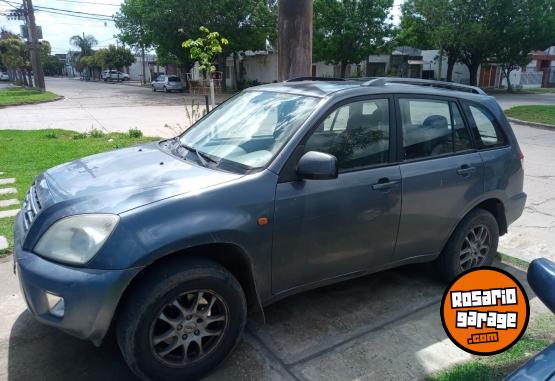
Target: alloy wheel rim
x=189 y=328
x=475 y=247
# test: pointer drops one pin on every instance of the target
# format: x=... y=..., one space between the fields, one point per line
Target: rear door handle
x=466 y=170
x=384 y=184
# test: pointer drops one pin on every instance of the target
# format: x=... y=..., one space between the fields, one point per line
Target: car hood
x=124 y=179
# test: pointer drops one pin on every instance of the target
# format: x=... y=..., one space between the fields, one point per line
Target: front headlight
x=76 y=239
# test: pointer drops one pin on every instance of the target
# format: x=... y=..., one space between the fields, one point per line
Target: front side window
x=357 y=134
x=488 y=130
x=250 y=128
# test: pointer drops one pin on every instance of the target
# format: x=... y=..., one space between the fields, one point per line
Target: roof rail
x=374 y=82
x=324 y=79
x=437 y=84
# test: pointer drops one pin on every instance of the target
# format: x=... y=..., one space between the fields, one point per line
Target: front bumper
x=90 y=296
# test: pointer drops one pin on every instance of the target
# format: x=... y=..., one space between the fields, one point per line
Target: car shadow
x=305 y=334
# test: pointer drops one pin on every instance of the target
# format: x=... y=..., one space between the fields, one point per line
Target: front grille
x=31 y=207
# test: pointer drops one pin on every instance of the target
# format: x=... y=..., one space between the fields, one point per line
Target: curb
x=532 y=124
x=59 y=98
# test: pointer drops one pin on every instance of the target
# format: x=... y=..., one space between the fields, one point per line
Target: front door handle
x=384 y=184
x=466 y=170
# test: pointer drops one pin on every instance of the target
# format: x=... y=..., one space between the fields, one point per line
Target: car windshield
x=174 y=79
x=250 y=128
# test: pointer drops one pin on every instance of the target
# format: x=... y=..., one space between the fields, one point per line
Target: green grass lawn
x=19 y=95
x=25 y=154
x=541 y=90
x=534 y=113
x=539 y=335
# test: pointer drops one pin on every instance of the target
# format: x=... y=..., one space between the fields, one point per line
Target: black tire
x=154 y=293
x=448 y=264
x=153 y=88
x=166 y=89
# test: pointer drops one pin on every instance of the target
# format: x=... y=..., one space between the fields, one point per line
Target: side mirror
x=317 y=166
x=541 y=277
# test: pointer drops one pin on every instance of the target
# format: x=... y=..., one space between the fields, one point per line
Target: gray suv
x=283 y=188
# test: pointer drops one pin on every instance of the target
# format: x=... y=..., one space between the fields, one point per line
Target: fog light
x=56 y=305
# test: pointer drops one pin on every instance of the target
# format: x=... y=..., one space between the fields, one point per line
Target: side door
x=441 y=173
x=328 y=228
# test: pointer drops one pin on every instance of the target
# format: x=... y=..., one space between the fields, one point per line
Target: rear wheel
x=182 y=321
x=473 y=244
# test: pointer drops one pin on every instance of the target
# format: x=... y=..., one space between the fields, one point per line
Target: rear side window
x=488 y=131
x=174 y=79
x=431 y=128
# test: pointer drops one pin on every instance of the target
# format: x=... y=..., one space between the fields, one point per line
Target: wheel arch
x=494 y=205
x=230 y=256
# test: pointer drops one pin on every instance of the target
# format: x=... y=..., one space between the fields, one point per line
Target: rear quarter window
x=487 y=130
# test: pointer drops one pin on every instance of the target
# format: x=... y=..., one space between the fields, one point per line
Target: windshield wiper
x=202 y=157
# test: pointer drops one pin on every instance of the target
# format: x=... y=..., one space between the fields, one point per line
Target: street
x=334 y=333
x=105 y=106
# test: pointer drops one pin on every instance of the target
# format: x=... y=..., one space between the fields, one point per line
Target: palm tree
x=85 y=43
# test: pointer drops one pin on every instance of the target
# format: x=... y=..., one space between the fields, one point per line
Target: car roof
x=323 y=87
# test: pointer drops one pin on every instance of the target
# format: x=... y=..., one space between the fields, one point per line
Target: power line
x=68 y=11
x=72 y=15
x=89 y=2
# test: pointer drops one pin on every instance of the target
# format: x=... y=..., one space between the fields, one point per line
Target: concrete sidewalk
x=380 y=327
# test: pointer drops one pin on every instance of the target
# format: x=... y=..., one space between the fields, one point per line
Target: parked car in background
x=4 y=76
x=167 y=84
x=283 y=188
x=114 y=75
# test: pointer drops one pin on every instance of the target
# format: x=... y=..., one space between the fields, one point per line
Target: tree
x=114 y=57
x=203 y=49
x=15 y=56
x=348 y=31
x=518 y=27
x=52 y=65
x=84 y=43
x=248 y=24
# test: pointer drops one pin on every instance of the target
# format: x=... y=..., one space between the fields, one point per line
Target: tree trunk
x=143 y=57
x=235 y=77
x=451 y=60
x=473 y=69
x=30 y=79
x=507 y=74
x=440 y=64
x=343 y=69
x=222 y=61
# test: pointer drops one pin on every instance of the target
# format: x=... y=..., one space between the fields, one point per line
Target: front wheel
x=181 y=321
x=153 y=88
x=166 y=89
x=473 y=244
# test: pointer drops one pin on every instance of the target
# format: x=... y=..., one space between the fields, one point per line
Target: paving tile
x=305 y=324
x=9 y=213
x=4 y=203
x=7 y=181
x=7 y=190
x=3 y=242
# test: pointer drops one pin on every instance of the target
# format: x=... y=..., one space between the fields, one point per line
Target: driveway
x=106 y=106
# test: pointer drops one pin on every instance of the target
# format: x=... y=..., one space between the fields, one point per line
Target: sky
x=58 y=29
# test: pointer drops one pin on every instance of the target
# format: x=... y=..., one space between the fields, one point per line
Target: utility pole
x=295 y=39
x=38 y=73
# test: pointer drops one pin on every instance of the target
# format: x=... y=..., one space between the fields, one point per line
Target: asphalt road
x=108 y=106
